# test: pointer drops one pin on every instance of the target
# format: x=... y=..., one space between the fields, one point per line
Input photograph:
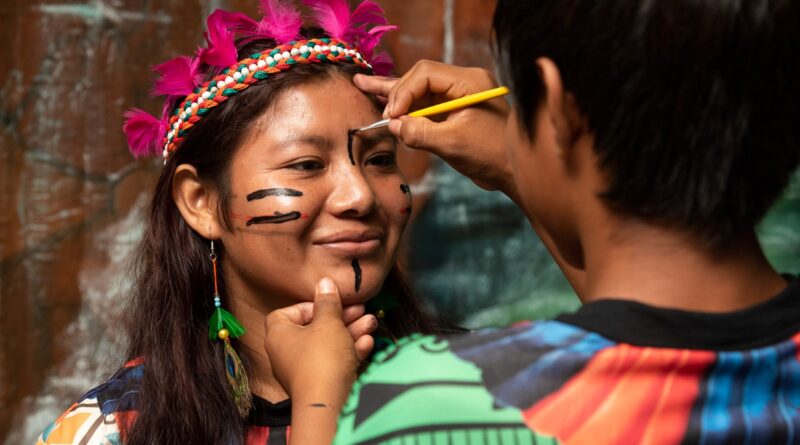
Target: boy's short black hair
x=693 y=103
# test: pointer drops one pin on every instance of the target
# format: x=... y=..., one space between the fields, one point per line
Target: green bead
x=255 y=55
x=203 y=111
x=261 y=75
x=229 y=92
x=290 y=61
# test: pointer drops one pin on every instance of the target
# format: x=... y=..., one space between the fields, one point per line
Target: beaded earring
x=224 y=326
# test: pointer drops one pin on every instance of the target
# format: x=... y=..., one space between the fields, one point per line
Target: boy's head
x=691 y=106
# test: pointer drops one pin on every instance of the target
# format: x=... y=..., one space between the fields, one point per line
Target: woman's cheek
x=268 y=208
x=394 y=195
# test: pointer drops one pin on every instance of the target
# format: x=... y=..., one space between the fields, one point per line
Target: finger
x=364 y=346
x=423 y=133
x=299 y=314
x=377 y=85
x=363 y=326
x=424 y=79
x=327 y=302
x=352 y=313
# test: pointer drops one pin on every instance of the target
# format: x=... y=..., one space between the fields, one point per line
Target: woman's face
x=301 y=210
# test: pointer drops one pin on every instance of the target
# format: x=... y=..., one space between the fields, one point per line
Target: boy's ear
x=196 y=202
x=560 y=105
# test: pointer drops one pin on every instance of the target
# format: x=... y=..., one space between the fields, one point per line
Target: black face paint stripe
x=357 y=270
x=275 y=219
x=350 y=134
x=260 y=194
x=406 y=191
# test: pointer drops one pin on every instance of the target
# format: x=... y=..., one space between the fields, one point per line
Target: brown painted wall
x=70 y=192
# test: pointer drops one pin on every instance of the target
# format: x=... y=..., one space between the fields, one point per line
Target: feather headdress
x=181 y=80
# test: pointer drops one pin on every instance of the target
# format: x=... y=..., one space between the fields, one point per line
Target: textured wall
x=73 y=198
x=68 y=71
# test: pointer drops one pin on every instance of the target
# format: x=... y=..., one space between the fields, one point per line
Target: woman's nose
x=352 y=195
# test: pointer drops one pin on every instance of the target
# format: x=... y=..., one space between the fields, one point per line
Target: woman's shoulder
x=103 y=414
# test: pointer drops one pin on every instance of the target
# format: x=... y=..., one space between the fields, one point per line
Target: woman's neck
x=262 y=381
x=251 y=313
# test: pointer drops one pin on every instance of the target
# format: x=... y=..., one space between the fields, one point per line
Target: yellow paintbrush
x=446 y=107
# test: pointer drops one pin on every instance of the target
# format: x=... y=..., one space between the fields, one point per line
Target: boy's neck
x=668 y=269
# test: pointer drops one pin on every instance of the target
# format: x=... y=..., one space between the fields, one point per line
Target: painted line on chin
x=357 y=270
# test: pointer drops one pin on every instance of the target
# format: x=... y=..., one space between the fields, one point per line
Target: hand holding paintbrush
x=471 y=139
x=446 y=107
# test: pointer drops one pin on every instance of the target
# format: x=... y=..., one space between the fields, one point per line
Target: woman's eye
x=382 y=160
x=309 y=165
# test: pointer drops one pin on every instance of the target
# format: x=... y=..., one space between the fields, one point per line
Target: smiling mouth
x=355 y=244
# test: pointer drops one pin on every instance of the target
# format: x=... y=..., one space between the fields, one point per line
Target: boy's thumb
x=418 y=132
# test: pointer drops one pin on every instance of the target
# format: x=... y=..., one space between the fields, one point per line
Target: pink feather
x=281 y=21
x=221 y=51
x=143 y=132
x=368 y=12
x=331 y=15
x=236 y=21
x=177 y=77
x=365 y=25
x=368 y=40
x=382 y=64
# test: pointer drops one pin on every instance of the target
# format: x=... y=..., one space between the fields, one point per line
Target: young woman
x=264 y=192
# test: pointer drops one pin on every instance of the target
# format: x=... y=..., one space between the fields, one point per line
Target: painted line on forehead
x=278 y=218
x=357 y=270
x=261 y=194
x=350 y=134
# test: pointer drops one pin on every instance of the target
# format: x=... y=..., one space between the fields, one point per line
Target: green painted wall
x=477 y=261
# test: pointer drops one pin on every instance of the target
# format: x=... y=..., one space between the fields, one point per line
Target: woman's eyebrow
x=317 y=140
x=373 y=137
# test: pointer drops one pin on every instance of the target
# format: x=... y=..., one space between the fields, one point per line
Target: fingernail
x=326 y=286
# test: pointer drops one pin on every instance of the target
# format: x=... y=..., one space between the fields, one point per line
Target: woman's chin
x=364 y=294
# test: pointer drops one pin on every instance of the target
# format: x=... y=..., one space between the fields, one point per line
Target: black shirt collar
x=767 y=323
x=265 y=413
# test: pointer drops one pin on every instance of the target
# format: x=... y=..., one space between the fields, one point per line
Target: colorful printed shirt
x=614 y=372
x=101 y=414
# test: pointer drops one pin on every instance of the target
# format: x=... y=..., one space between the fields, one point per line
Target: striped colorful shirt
x=102 y=414
x=614 y=372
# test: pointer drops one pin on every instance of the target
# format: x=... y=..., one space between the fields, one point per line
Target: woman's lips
x=352 y=244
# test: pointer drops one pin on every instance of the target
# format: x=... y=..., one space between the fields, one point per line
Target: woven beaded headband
x=249 y=71
x=354 y=36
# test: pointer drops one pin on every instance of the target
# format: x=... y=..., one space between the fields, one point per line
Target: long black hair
x=184 y=395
